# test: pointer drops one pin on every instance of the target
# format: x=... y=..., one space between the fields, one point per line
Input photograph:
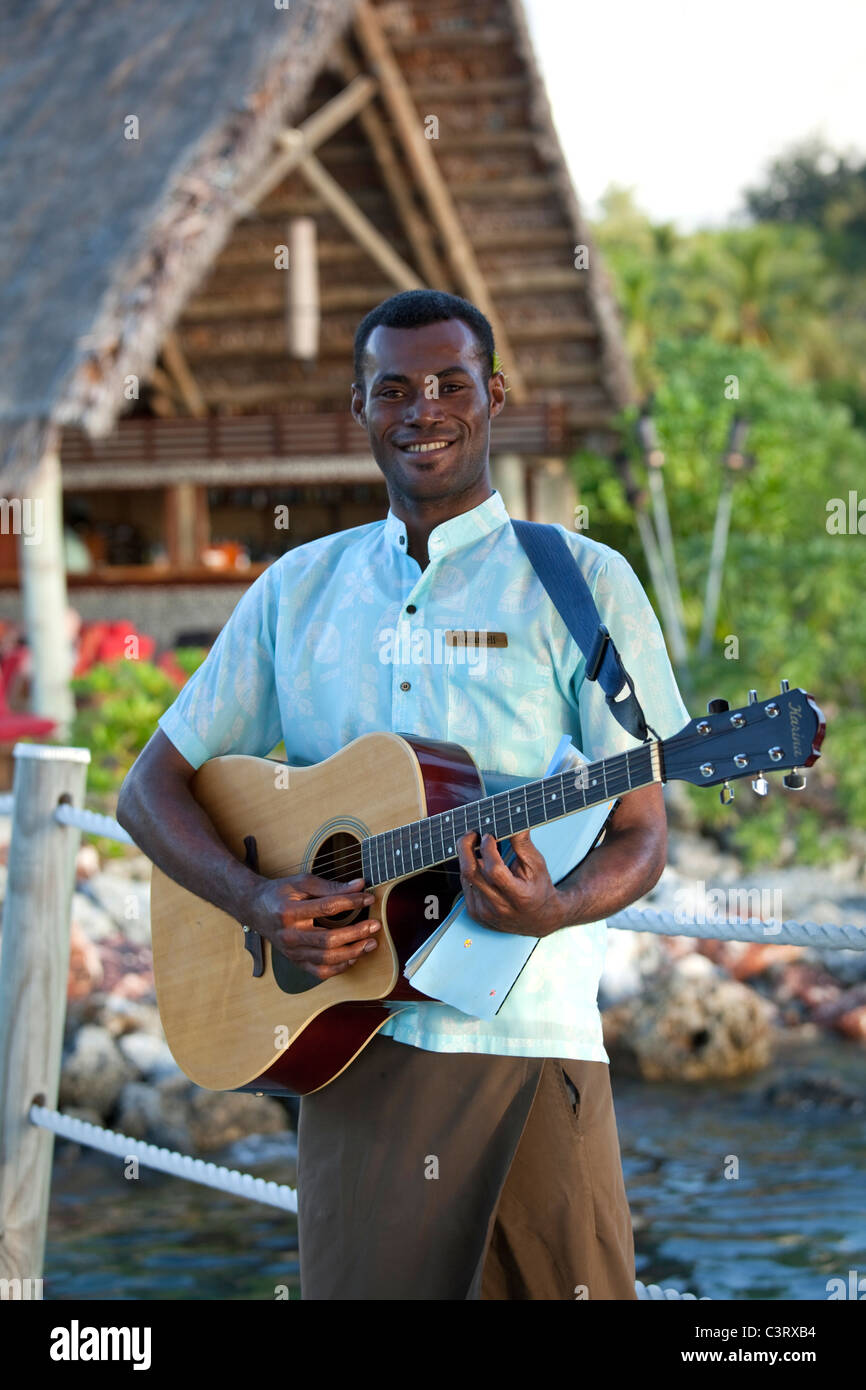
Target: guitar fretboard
x=425 y=843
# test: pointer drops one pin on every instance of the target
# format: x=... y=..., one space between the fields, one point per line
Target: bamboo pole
x=34 y=966
x=43 y=594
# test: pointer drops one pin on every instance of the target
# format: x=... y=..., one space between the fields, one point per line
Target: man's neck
x=421 y=520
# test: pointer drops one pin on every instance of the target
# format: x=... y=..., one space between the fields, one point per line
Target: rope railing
x=108 y=1141
x=228 y=1180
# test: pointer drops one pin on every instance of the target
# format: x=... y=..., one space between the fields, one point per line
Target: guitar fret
x=421 y=844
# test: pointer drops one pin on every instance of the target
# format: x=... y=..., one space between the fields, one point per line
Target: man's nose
x=421 y=409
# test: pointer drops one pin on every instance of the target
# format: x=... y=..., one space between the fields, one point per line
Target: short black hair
x=417 y=308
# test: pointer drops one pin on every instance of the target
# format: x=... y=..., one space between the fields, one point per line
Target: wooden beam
x=394 y=178
x=164 y=383
x=296 y=144
x=172 y=356
x=427 y=174
x=359 y=226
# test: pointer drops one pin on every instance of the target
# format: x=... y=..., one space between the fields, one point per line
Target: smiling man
x=455 y=1158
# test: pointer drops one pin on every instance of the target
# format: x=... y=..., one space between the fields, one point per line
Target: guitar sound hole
x=339 y=858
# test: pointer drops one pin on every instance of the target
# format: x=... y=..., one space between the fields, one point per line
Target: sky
x=688 y=101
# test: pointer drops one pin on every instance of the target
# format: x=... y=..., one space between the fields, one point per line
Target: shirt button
x=404 y=685
x=410 y=608
x=402 y=540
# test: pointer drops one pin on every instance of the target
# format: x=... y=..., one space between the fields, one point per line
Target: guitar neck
x=425 y=843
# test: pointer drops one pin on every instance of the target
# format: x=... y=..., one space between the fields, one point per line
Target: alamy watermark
x=22 y=516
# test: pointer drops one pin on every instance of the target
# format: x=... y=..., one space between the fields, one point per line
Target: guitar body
x=282 y=1031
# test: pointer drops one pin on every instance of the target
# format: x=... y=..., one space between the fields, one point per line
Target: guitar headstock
x=774 y=735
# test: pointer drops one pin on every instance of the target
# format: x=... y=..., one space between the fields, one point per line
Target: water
x=794 y=1218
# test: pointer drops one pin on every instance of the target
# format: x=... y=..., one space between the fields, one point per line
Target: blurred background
x=662 y=210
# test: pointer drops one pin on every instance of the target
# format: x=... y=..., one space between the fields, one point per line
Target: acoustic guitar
x=390 y=808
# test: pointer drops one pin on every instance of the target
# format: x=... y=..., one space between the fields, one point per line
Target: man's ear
x=357 y=405
x=496 y=389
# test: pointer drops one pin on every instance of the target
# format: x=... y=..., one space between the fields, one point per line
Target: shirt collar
x=457 y=531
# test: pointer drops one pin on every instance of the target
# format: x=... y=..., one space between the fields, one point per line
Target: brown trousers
x=430 y=1175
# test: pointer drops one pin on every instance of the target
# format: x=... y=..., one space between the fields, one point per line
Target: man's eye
x=388 y=391
x=451 y=386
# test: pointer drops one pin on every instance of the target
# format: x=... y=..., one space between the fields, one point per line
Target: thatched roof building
x=136 y=139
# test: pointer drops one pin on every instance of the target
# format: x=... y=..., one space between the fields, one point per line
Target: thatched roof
x=102 y=238
x=106 y=243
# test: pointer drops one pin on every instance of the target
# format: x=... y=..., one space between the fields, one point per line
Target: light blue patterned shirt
x=319 y=648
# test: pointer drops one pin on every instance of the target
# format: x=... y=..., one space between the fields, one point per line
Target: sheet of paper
x=472 y=967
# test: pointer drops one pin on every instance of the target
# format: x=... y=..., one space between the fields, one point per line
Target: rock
x=86 y=862
x=149 y=1055
x=222 y=1117
x=122 y=958
x=85 y=967
x=127 y=902
x=691 y=1025
x=801 y=1091
x=93 y=919
x=120 y=1016
x=177 y=1114
x=698 y=858
x=94 y=1072
x=159 y=1113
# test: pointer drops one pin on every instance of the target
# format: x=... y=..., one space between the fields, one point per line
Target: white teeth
x=427 y=448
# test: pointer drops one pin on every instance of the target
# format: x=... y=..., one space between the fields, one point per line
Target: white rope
x=273 y=1194
x=652 y=1291
x=770 y=933
x=93 y=823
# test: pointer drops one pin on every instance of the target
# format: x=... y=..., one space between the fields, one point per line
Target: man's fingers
x=305 y=909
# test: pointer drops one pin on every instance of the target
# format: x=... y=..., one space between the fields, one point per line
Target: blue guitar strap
x=561 y=576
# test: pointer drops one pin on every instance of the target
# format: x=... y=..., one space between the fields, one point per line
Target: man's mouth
x=431 y=446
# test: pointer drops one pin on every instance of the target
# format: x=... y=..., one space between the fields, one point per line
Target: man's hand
x=283 y=911
x=521 y=898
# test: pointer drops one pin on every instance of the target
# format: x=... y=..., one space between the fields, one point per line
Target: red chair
x=15 y=724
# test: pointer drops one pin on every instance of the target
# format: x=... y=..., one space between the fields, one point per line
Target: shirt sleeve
x=629 y=617
x=229 y=705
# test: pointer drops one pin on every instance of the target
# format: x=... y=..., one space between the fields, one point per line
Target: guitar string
x=339 y=860
x=616 y=765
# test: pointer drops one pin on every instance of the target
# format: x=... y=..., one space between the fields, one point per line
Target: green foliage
x=792 y=593
x=118 y=704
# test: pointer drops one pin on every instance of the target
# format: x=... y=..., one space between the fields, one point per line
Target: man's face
x=426 y=408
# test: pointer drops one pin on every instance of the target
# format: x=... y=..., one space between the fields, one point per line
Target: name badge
x=469 y=638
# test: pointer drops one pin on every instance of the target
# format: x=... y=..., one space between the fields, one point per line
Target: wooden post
x=302 y=284
x=508 y=476
x=34 y=966
x=43 y=594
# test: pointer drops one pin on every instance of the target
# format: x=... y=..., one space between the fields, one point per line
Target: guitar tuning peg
x=753 y=697
x=784 y=686
x=717 y=706
x=794 y=781
x=726 y=795
x=760 y=785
